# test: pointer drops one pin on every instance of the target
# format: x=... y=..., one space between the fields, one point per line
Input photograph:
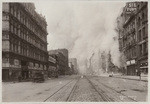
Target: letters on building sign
x=52 y=59
x=131 y=7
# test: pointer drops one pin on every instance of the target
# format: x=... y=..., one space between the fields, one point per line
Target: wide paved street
x=76 y=88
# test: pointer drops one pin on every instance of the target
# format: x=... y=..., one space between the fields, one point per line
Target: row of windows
x=130 y=27
x=131 y=53
x=27 y=22
x=30 y=8
x=26 y=50
x=143 y=48
x=142 y=16
x=142 y=34
x=129 y=40
x=24 y=34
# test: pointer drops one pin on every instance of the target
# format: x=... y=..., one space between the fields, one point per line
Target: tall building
x=142 y=36
x=24 y=41
x=62 y=56
x=133 y=37
x=73 y=61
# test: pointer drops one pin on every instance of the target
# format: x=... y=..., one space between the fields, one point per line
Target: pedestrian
x=136 y=72
x=112 y=73
x=139 y=74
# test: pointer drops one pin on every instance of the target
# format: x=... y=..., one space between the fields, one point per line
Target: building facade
x=73 y=61
x=62 y=60
x=142 y=36
x=24 y=41
x=52 y=66
x=133 y=37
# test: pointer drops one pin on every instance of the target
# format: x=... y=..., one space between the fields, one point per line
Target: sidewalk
x=143 y=77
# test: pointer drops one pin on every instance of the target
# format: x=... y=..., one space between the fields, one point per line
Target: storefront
x=144 y=66
x=131 y=67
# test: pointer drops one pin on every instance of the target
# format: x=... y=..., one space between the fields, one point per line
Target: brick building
x=24 y=41
x=133 y=37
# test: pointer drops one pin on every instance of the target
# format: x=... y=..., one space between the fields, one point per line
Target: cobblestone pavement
x=76 y=88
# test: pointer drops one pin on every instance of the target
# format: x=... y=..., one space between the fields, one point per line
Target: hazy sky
x=83 y=27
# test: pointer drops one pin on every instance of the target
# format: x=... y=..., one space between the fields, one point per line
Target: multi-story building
x=133 y=37
x=142 y=36
x=52 y=66
x=62 y=58
x=71 y=68
x=24 y=41
x=73 y=61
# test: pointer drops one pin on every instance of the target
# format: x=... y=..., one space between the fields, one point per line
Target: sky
x=82 y=27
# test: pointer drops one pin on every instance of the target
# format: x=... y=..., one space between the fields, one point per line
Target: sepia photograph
x=74 y=51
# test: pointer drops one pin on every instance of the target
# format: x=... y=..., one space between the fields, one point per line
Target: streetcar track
x=72 y=91
x=102 y=95
x=65 y=90
x=115 y=90
x=57 y=90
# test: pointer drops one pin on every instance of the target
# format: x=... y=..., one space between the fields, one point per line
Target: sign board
x=132 y=61
x=131 y=7
x=51 y=59
x=128 y=62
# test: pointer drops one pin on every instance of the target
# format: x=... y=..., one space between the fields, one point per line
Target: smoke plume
x=83 y=27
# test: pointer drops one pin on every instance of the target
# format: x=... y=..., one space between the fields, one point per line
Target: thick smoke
x=83 y=27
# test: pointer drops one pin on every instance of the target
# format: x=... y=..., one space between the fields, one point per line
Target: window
x=146 y=47
x=145 y=50
x=11 y=9
x=140 y=36
x=139 y=21
x=140 y=47
x=5 y=45
x=143 y=16
x=143 y=33
x=5 y=60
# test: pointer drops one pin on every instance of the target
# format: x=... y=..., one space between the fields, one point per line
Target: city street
x=84 y=51
x=76 y=88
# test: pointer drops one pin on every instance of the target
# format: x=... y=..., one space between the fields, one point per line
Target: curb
x=131 y=79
